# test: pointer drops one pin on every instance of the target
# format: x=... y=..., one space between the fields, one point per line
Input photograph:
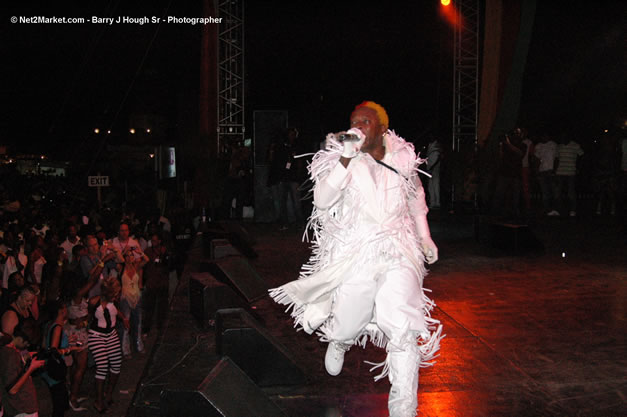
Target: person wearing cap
x=371 y=240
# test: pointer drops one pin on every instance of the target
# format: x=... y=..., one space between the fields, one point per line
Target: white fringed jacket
x=363 y=214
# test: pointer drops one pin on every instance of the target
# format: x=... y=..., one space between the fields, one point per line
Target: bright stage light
x=445 y=2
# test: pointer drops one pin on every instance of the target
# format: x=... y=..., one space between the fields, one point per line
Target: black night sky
x=316 y=60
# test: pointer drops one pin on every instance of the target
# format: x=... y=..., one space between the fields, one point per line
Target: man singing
x=371 y=239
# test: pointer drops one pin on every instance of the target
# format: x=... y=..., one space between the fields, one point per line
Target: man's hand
x=429 y=249
x=427 y=246
x=351 y=147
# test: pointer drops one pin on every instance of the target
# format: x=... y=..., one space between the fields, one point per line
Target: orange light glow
x=449 y=13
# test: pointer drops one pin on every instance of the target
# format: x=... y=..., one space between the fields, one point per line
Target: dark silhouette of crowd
x=559 y=170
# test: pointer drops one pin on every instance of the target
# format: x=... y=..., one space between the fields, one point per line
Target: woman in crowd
x=20 y=311
x=56 y=338
x=130 y=303
x=76 y=328
x=104 y=342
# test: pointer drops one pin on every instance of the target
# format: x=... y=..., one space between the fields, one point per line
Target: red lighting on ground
x=445 y=2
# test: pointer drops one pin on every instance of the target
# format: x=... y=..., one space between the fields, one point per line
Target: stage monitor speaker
x=255 y=350
x=239 y=237
x=237 y=272
x=221 y=248
x=226 y=392
x=207 y=295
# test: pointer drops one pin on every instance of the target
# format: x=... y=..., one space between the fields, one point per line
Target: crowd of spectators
x=74 y=277
x=560 y=169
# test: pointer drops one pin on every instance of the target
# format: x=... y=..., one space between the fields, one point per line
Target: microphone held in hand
x=352 y=140
x=352 y=135
x=348 y=137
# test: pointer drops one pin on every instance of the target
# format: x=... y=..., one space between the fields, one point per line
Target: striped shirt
x=567 y=155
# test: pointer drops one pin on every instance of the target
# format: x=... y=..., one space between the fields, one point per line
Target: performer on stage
x=370 y=241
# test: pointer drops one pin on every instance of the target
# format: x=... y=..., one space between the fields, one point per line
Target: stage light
x=445 y=2
x=96 y=131
x=147 y=130
x=132 y=131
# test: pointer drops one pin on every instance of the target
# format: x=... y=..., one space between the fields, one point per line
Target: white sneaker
x=553 y=213
x=572 y=213
x=334 y=359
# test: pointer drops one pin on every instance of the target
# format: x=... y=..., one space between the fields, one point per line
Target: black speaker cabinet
x=240 y=337
x=226 y=392
x=239 y=273
x=207 y=295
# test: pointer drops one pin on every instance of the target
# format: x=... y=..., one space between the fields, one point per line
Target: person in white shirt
x=546 y=152
x=567 y=154
x=371 y=241
x=124 y=243
x=71 y=241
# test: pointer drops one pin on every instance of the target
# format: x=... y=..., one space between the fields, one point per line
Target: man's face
x=71 y=232
x=155 y=241
x=19 y=280
x=123 y=234
x=366 y=120
x=92 y=246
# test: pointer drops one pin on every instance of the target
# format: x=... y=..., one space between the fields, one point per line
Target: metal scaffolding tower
x=466 y=74
x=465 y=96
x=230 y=74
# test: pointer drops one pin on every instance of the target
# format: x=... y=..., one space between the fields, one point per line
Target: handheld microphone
x=352 y=135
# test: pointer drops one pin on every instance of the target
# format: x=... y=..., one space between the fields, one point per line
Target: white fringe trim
x=325 y=229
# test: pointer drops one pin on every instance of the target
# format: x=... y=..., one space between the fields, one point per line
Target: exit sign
x=98 y=181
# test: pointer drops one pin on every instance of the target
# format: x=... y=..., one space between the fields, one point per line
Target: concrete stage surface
x=528 y=333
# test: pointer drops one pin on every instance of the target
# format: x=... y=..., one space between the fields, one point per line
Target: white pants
x=389 y=295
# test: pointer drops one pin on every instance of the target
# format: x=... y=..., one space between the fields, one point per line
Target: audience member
x=156 y=283
x=98 y=262
x=605 y=175
x=20 y=311
x=130 y=302
x=57 y=343
x=285 y=176
x=71 y=241
x=124 y=243
x=508 y=181
x=434 y=159
x=104 y=342
x=525 y=173
x=78 y=320
x=546 y=152
x=567 y=153
x=16 y=369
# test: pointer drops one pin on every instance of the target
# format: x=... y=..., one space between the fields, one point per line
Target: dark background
x=315 y=60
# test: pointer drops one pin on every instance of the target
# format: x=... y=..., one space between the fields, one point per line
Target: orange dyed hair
x=381 y=113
